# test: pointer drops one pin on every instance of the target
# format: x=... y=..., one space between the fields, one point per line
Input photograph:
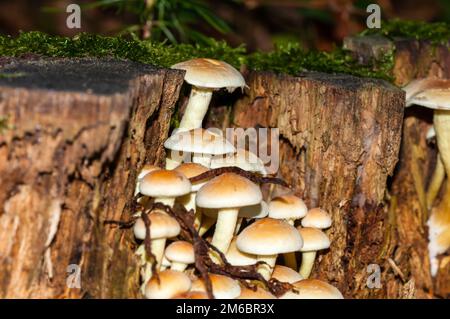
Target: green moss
x=290 y=59
x=437 y=33
x=3 y=124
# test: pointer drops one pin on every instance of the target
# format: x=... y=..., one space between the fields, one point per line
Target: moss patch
x=290 y=59
x=437 y=33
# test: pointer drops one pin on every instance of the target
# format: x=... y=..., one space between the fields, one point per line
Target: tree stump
x=409 y=238
x=74 y=134
x=340 y=137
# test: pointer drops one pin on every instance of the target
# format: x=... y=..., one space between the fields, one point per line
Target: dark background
x=260 y=24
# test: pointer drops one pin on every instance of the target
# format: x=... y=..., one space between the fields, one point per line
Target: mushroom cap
x=433 y=93
x=164 y=183
x=191 y=170
x=286 y=274
x=243 y=159
x=199 y=140
x=147 y=168
x=223 y=287
x=180 y=251
x=313 y=239
x=161 y=226
x=268 y=236
x=210 y=73
x=259 y=293
x=317 y=218
x=259 y=210
x=172 y=283
x=313 y=289
x=238 y=258
x=287 y=207
x=228 y=190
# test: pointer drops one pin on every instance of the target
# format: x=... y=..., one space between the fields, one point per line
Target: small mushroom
x=257 y=211
x=168 y=284
x=144 y=171
x=223 y=287
x=238 y=258
x=180 y=254
x=164 y=186
x=205 y=76
x=313 y=240
x=243 y=159
x=200 y=143
x=190 y=170
x=266 y=238
x=313 y=289
x=227 y=193
x=286 y=274
x=317 y=218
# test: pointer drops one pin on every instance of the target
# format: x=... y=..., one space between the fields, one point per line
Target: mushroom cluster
x=243 y=228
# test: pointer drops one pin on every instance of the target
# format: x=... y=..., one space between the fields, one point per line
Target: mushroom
x=259 y=293
x=238 y=258
x=313 y=289
x=164 y=186
x=266 y=238
x=286 y=274
x=168 y=284
x=317 y=218
x=313 y=240
x=144 y=171
x=162 y=226
x=223 y=287
x=205 y=76
x=243 y=159
x=289 y=208
x=180 y=254
x=227 y=193
x=201 y=143
x=435 y=94
x=190 y=170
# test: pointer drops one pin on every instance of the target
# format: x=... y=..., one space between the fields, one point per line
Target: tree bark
x=409 y=239
x=340 y=137
x=75 y=134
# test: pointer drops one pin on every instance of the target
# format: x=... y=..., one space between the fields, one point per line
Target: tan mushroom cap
x=313 y=239
x=164 y=183
x=147 y=168
x=180 y=251
x=433 y=93
x=237 y=258
x=199 y=140
x=286 y=274
x=191 y=170
x=313 y=289
x=317 y=218
x=268 y=236
x=228 y=190
x=244 y=159
x=260 y=210
x=259 y=293
x=287 y=207
x=161 y=226
x=223 y=287
x=171 y=284
x=210 y=73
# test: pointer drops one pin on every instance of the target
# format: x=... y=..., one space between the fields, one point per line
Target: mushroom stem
x=207 y=223
x=178 y=266
x=266 y=269
x=290 y=260
x=225 y=225
x=158 y=246
x=188 y=202
x=196 y=108
x=442 y=126
x=436 y=182
x=308 y=258
x=169 y=201
x=171 y=162
x=238 y=225
x=202 y=159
